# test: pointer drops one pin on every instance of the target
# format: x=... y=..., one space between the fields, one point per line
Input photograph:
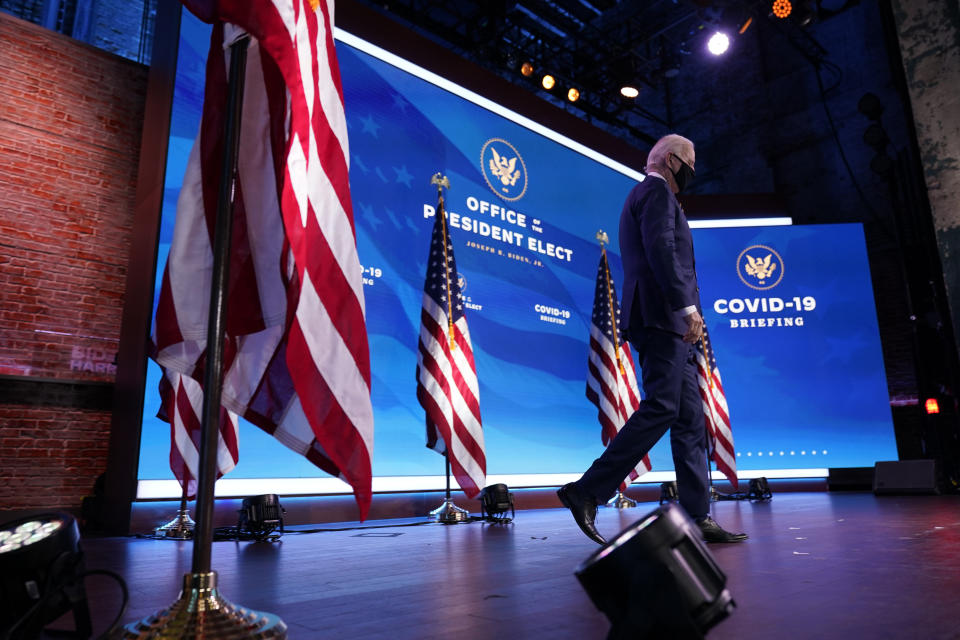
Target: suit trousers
x=671 y=401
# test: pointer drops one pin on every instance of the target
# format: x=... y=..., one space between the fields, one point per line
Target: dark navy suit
x=659 y=282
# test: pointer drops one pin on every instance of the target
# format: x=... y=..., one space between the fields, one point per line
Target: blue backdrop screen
x=790 y=309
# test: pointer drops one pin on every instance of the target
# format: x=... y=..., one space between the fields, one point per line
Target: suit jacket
x=658 y=264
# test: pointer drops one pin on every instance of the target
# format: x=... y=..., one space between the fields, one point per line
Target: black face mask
x=684 y=175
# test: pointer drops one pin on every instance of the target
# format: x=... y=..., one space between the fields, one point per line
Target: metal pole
x=201 y=611
x=213 y=370
x=446 y=457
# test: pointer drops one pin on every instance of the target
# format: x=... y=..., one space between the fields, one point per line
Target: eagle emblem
x=504 y=169
x=757 y=272
x=760 y=269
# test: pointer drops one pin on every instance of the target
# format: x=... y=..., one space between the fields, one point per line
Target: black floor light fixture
x=668 y=492
x=759 y=490
x=261 y=518
x=495 y=500
x=41 y=567
x=656 y=579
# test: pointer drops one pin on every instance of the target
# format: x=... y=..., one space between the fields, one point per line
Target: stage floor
x=817 y=565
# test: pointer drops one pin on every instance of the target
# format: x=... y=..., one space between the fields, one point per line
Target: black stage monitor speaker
x=905 y=477
x=656 y=579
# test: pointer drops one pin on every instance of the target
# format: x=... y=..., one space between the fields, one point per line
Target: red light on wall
x=932 y=406
x=782 y=8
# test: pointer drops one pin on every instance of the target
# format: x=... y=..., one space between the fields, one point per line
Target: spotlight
x=870 y=106
x=782 y=8
x=41 y=567
x=931 y=406
x=759 y=490
x=260 y=517
x=548 y=82
x=656 y=579
x=718 y=43
x=629 y=91
x=882 y=165
x=876 y=137
x=573 y=94
x=668 y=492
x=494 y=502
x=526 y=69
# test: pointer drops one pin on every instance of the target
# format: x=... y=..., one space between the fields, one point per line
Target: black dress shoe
x=584 y=509
x=713 y=532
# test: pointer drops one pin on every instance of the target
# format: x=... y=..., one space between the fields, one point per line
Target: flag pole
x=448 y=512
x=619 y=500
x=201 y=611
x=714 y=496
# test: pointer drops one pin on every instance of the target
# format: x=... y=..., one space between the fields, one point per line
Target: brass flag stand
x=182 y=525
x=619 y=501
x=200 y=611
x=448 y=512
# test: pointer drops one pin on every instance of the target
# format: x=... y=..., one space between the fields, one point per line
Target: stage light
x=548 y=82
x=759 y=490
x=718 y=43
x=573 y=94
x=782 y=8
x=261 y=517
x=876 y=137
x=494 y=502
x=526 y=69
x=669 y=62
x=668 y=492
x=932 y=406
x=870 y=106
x=629 y=91
x=656 y=579
x=41 y=566
x=882 y=165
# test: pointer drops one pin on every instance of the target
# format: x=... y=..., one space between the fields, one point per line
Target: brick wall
x=70 y=125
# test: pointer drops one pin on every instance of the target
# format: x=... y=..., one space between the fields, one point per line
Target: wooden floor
x=817 y=565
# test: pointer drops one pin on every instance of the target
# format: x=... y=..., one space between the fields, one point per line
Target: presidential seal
x=760 y=267
x=503 y=169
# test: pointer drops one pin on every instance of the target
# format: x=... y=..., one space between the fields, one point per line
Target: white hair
x=671 y=143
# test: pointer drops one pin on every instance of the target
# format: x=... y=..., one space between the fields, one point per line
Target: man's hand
x=694 y=327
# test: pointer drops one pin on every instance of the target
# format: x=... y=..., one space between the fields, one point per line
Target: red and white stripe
x=296 y=357
x=616 y=394
x=716 y=415
x=449 y=391
x=447 y=384
x=182 y=406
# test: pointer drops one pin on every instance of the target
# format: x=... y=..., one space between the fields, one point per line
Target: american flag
x=447 y=386
x=296 y=359
x=611 y=376
x=715 y=411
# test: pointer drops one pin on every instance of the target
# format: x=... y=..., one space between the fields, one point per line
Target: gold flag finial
x=602 y=237
x=442 y=181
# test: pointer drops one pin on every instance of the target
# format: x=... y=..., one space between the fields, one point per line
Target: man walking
x=661 y=307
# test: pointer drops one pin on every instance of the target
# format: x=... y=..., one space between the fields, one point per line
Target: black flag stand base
x=620 y=501
x=200 y=611
x=449 y=513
